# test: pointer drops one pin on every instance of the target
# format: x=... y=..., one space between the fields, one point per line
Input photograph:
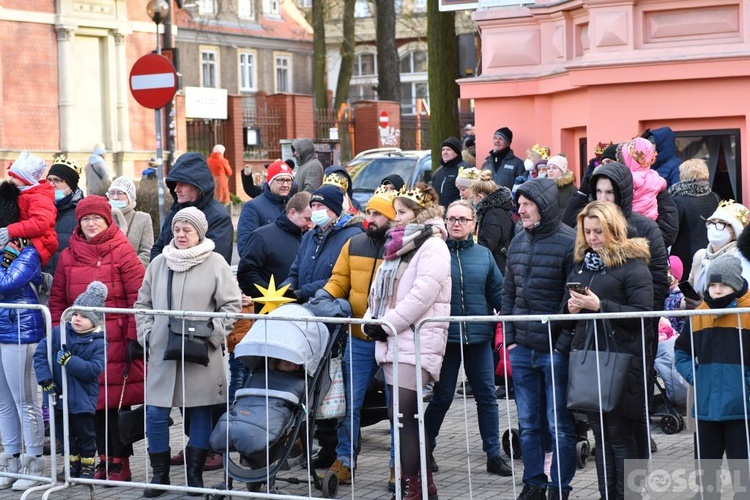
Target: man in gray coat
x=310 y=171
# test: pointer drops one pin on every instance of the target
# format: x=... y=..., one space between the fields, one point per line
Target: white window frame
x=246 y=9
x=414 y=77
x=304 y=4
x=272 y=7
x=206 y=7
x=278 y=57
x=216 y=65
x=242 y=70
x=358 y=60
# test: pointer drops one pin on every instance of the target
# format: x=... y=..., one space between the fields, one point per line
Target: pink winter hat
x=676 y=267
x=639 y=153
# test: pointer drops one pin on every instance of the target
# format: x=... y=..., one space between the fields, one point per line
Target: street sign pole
x=159 y=152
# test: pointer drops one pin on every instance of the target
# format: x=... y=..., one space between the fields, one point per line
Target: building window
x=420 y=6
x=246 y=9
x=206 y=7
x=413 y=80
x=283 y=74
x=362 y=8
x=304 y=4
x=365 y=65
x=247 y=72
x=271 y=7
x=362 y=92
x=721 y=151
x=209 y=68
x=414 y=62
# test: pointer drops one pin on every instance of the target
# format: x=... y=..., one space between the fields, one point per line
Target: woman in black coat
x=494 y=220
x=614 y=271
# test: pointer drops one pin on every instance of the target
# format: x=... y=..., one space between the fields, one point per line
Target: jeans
x=238 y=373
x=480 y=370
x=157 y=427
x=362 y=367
x=533 y=383
x=619 y=445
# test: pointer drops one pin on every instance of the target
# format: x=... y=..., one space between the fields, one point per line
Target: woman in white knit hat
x=136 y=225
x=557 y=170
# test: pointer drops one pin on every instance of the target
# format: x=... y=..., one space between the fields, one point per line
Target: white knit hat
x=126 y=186
x=559 y=161
x=28 y=168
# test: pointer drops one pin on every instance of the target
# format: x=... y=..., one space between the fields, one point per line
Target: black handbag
x=187 y=339
x=587 y=365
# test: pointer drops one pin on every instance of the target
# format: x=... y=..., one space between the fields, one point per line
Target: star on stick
x=271 y=298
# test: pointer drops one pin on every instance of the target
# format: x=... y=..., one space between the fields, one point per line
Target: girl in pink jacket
x=638 y=155
x=414 y=282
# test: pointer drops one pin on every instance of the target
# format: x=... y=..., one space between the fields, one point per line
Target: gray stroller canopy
x=297 y=341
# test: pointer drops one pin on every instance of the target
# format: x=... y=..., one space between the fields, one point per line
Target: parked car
x=369 y=168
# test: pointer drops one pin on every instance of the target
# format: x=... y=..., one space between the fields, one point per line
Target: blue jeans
x=238 y=373
x=157 y=427
x=532 y=380
x=362 y=368
x=478 y=365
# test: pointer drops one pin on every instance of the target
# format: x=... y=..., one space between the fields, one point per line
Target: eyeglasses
x=55 y=180
x=116 y=194
x=283 y=180
x=96 y=219
x=462 y=221
x=719 y=225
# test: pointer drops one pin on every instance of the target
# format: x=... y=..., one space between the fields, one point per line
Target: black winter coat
x=191 y=168
x=256 y=213
x=444 y=180
x=495 y=224
x=695 y=202
x=477 y=290
x=626 y=288
x=505 y=167
x=539 y=262
x=65 y=224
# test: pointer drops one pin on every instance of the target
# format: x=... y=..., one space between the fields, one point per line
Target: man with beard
x=352 y=276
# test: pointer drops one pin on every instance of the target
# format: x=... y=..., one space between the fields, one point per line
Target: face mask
x=320 y=217
x=542 y=175
x=118 y=203
x=59 y=194
x=718 y=238
x=528 y=165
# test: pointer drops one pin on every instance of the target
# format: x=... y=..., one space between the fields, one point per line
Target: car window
x=368 y=177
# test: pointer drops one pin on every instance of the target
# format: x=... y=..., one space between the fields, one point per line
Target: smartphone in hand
x=576 y=287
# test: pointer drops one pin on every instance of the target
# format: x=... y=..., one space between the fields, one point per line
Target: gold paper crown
x=468 y=173
x=337 y=180
x=63 y=160
x=600 y=147
x=542 y=151
x=739 y=211
x=383 y=192
x=414 y=194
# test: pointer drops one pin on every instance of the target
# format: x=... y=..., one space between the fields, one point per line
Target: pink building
x=570 y=74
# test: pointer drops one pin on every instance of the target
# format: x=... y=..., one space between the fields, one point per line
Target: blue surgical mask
x=59 y=194
x=320 y=217
x=118 y=203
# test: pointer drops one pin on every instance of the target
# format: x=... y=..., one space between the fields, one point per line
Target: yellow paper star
x=271 y=297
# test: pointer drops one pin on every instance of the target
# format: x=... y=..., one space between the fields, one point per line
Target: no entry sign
x=153 y=81
x=383 y=120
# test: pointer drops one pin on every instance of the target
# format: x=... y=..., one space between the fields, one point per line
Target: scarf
x=181 y=261
x=400 y=246
x=700 y=276
x=692 y=187
x=593 y=262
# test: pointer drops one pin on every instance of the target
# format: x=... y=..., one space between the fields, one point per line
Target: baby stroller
x=671 y=395
x=273 y=406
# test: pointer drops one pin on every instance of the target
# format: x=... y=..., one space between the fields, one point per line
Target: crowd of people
x=503 y=237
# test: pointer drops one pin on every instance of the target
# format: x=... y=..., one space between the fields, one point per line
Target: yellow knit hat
x=382 y=201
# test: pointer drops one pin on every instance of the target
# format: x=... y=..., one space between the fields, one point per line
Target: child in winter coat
x=675 y=300
x=83 y=357
x=711 y=356
x=37 y=206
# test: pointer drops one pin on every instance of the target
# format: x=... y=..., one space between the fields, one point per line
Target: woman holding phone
x=611 y=275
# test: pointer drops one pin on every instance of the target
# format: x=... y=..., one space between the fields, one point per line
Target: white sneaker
x=548 y=464
x=11 y=464
x=32 y=466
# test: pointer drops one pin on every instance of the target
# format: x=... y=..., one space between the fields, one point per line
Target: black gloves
x=135 y=351
x=375 y=332
x=48 y=385
x=64 y=355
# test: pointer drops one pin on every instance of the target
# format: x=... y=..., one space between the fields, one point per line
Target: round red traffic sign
x=383 y=120
x=153 y=81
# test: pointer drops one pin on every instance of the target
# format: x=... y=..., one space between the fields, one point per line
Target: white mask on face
x=528 y=165
x=320 y=217
x=718 y=238
x=542 y=175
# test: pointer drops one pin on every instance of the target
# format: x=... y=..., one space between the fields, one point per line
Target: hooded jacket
x=476 y=290
x=505 y=167
x=539 y=262
x=258 y=212
x=65 y=225
x=37 y=222
x=317 y=255
x=309 y=174
x=17 y=286
x=495 y=224
x=667 y=162
x=97 y=176
x=83 y=369
x=191 y=168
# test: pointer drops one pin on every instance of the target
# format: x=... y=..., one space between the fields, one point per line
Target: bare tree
x=389 y=77
x=320 y=83
x=347 y=54
x=442 y=72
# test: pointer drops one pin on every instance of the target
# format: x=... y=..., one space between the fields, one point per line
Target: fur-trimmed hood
x=567 y=179
x=632 y=248
x=500 y=198
x=433 y=215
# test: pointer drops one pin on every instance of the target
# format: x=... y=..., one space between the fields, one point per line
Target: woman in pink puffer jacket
x=414 y=282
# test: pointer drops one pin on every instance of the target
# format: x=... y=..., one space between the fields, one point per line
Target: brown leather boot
x=432 y=493
x=412 y=489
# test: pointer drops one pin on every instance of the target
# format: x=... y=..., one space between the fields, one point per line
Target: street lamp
x=158 y=10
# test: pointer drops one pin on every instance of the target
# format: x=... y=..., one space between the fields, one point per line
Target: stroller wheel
x=254 y=487
x=583 y=451
x=516 y=443
x=670 y=424
x=330 y=486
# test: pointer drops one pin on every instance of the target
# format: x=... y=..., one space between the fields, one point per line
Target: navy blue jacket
x=256 y=213
x=476 y=290
x=83 y=369
x=539 y=262
x=318 y=253
x=17 y=286
x=64 y=226
x=270 y=251
x=667 y=162
x=444 y=180
x=191 y=168
x=505 y=167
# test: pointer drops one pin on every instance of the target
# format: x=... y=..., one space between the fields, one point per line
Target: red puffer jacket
x=38 y=218
x=109 y=257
